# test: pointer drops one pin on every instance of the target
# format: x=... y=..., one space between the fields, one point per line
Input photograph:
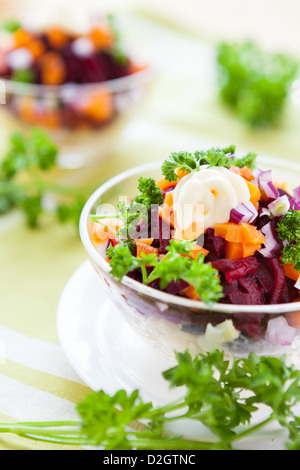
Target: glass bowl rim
x=157 y=295
x=114 y=85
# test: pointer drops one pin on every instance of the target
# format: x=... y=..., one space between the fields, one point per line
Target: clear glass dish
x=84 y=120
x=171 y=322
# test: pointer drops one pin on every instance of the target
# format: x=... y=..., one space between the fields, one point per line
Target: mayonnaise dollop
x=204 y=198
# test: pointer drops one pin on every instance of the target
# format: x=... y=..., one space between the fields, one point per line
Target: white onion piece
x=279 y=332
x=280 y=206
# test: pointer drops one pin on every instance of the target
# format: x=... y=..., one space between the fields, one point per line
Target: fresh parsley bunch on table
x=23 y=182
x=221 y=395
x=253 y=83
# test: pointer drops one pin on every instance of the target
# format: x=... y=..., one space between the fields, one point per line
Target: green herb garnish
x=253 y=83
x=172 y=267
x=23 y=76
x=10 y=26
x=22 y=182
x=131 y=214
x=288 y=230
x=212 y=157
x=221 y=395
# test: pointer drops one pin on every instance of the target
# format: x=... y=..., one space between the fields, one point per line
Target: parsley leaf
x=150 y=193
x=248 y=160
x=253 y=83
x=202 y=276
x=288 y=229
x=23 y=186
x=214 y=156
x=220 y=394
x=172 y=267
x=36 y=150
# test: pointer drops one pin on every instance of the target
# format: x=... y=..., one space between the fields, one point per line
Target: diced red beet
x=279 y=280
x=215 y=246
x=250 y=325
x=249 y=264
x=165 y=235
x=176 y=287
x=250 y=286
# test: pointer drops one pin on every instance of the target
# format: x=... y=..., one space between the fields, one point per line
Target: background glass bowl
x=84 y=120
x=170 y=322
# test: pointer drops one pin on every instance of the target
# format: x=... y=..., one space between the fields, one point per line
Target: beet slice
x=279 y=280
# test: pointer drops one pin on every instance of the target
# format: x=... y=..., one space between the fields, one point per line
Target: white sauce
x=206 y=197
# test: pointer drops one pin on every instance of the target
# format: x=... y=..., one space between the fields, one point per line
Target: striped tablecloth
x=182 y=111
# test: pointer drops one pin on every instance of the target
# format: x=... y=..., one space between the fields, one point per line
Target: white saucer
x=101 y=347
x=107 y=354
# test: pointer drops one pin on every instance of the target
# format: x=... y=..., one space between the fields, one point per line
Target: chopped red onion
x=266 y=186
x=272 y=244
x=243 y=213
x=264 y=211
x=279 y=332
x=280 y=206
x=256 y=173
x=297 y=285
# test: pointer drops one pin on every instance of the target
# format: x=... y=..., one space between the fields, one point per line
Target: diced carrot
x=50 y=118
x=146 y=241
x=101 y=232
x=255 y=194
x=190 y=292
x=99 y=107
x=240 y=233
x=164 y=184
x=181 y=173
x=291 y=272
x=53 y=69
x=57 y=37
x=220 y=230
x=250 y=234
x=244 y=172
x=144 y=248
x=26 y=109
x=169 y=199
x=101 y=37
x=195 y=252
x=36 y=48
x=167 y=214
x=233 y=250
x=134 y=68
x=190 y=233
x=22 y=38
x=250 y=248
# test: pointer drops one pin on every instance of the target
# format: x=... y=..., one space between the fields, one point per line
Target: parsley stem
x=144 y=274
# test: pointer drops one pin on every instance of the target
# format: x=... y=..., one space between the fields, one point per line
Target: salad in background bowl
x=202 y=251
x=82 y=87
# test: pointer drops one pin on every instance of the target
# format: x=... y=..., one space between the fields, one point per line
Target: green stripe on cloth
x=63 y=388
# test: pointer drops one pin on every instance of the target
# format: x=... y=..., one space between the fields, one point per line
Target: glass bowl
x=84 y=120
x=171 y=322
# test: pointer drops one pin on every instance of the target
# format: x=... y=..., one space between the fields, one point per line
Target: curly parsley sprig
x=22 y=182
x=172 y=267
x=214 y=156
x=222 y=395
x=288 y=230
